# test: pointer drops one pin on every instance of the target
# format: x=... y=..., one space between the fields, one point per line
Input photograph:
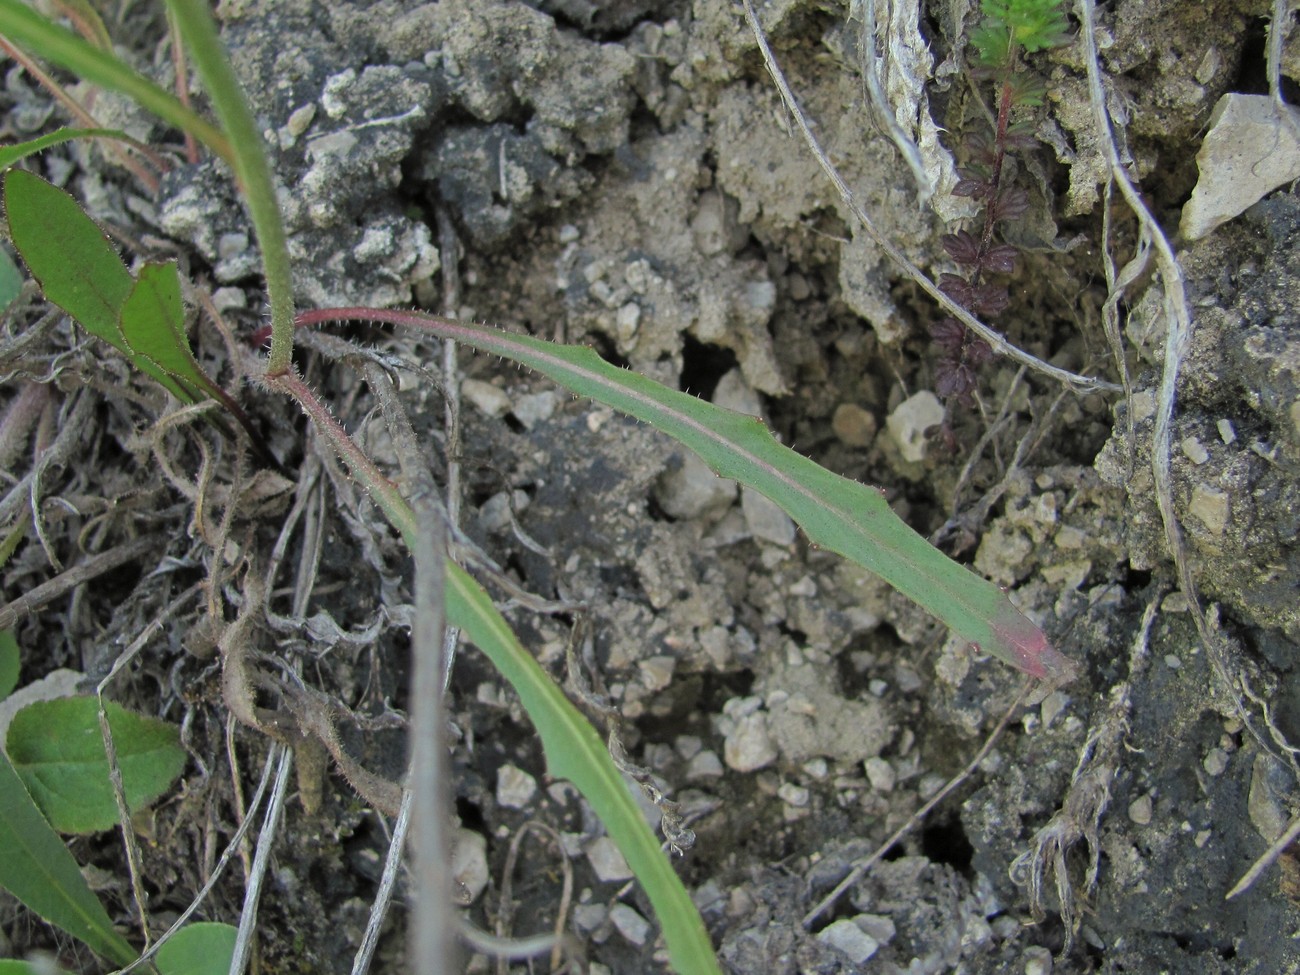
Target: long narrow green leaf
x=12 y=154
x=251 y=168
x=573 y=749
x=24 y=26
x=836 y=513
x=75 y=263
x=37 y=868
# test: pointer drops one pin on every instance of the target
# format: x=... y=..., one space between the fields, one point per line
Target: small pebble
x=1194 y=450
x=490 y=400
x=880 y=774
x=534 y=408
x=630 y=924
x=1172 y=662
x=469 y=866
x=1140 y=809
x=515 y=787
x=705 y=765
x=853 y=425
x=1038 y=961
x=878 y=926
x=793 y=795
x=688 y=746
x=607 y=861
x=1216 y=761
x=847 y=937
x=1052 y=706
x=749 y=747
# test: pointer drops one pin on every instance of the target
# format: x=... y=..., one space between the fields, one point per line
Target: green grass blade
x=25 y=27
x=12 y=154
x=75 y=263
x=37 y=869
x=573 y=749
x=251 y=169
x=836 y=513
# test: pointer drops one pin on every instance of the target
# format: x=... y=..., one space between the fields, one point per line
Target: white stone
x=1248 y=152
x=469 y=866
x=1216 y=761
x=911 y=419
x=534 y=408
x=880 y=774
x=705 y=765
x=749 y=746
x=515 y=787
x=793 y=795
x=607 y=860
x=692 y=490
x=847 y=937
x=488 y=399
x=1194 y=450
x=630 y=924
x=1210 y=506
x=765 y=519
x=1140 y=810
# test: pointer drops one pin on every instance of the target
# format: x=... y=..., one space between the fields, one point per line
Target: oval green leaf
x=57 y=749
x=72 y=259
x=204 y=948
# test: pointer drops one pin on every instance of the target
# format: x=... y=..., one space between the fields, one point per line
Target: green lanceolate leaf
x=573 y=749
x=73 y=261
x=57 y=748
x=9 y=663
x=204 y=948
x=152 y=323
x=836 y=513
x=37 y=869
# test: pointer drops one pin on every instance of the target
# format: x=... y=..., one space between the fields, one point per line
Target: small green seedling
x=78 y=269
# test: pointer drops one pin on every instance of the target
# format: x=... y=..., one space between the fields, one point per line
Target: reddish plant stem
x=995 y=175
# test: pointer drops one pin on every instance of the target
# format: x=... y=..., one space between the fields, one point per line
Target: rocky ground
x=624 y=174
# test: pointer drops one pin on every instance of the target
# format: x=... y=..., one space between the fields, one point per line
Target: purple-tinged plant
x=1007 y=29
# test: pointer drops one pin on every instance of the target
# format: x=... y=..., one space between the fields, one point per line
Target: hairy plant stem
x=995 y=172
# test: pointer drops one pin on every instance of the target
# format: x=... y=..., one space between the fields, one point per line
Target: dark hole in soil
x=703 y=366
x=471 y=816
x=944 y=841
x=717 y=689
